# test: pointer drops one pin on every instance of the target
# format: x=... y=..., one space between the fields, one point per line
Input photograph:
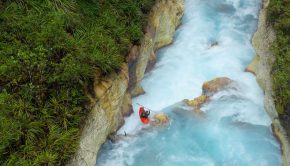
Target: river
x=214 y=40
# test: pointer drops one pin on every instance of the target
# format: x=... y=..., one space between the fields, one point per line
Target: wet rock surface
x=209 y=88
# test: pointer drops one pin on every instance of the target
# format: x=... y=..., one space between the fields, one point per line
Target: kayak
x=144 y=120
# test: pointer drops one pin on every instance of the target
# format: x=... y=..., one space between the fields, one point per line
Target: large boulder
x=160 y=119
x=209 y=88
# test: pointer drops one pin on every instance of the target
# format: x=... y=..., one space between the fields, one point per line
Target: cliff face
x=112 y=99
x=261 y=66
x=163 y=20
x=104 y=118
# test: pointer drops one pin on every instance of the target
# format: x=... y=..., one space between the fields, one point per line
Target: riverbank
x=213 y=41
x=261 y=66
x=50 y=54
x=112 y=99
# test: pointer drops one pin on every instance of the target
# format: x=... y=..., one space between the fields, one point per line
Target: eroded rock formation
x=105 y=117
x=261 y=66
x=111 y=96
x=213 y=86
x=163 y=20
x=209 y=88
x=160 y=119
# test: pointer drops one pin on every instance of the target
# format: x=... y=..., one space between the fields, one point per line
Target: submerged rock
x=214 y=44
x=197 y=102
x=160 y=119
x=209 y=88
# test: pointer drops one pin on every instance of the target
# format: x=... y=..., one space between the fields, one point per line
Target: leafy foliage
x=49 y=51
x=279 y=17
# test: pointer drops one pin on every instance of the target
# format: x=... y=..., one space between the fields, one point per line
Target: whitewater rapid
x=214 y=40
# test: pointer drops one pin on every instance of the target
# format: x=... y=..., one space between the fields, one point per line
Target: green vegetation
x=279 y=17
x=49 y=51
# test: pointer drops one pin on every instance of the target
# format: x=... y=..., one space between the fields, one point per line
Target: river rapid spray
x=213 y=41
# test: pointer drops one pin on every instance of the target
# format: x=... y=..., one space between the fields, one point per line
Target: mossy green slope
x=279 y=17
x=49 y=51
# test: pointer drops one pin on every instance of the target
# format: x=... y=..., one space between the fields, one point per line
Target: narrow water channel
x=214 y=40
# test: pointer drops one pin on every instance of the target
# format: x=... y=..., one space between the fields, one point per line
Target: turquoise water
x=236 y=130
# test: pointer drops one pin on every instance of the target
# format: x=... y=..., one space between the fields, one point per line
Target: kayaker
x=144 y=115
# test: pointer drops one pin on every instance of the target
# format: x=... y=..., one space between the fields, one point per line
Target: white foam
x=179 y=74
x=188 y=62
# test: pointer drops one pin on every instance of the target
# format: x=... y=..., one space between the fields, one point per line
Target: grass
x=49 y=52
x=279 y=17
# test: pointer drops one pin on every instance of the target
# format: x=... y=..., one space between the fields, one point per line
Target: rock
x=108 y=95
x=252 y=67
x=132 y=56
x=211 y=87
x=104 y=118
x=127 y=108
x=151 y=61
x=199 y=113
x=101 y=87
x=281 y=135
x=146 y=49
x=165 y=18
x=214 y=44
x=197 y=102
x=138 y=90
x=114 y=138
x=262 y=41
x=160 y=119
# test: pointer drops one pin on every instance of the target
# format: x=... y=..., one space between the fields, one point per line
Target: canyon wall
x=112 y=94
x=261 y=66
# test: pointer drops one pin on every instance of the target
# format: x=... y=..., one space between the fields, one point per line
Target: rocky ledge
x=111 y=95
x=261 y=66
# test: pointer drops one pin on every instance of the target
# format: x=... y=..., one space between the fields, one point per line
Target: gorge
x=214 y=40
x=214 y=75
